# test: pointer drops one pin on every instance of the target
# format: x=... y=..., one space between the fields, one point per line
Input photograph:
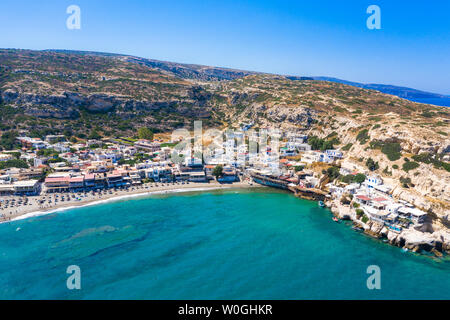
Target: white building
x=335 y=154
x=352 y=188
x=24 y=187
x=33 y=142
x=192 y=161
x=383 y=188
x=372 y=181
x=393 y=207
x=61 y=147
x=417 y=216
x=324 y=157
x=310 y=157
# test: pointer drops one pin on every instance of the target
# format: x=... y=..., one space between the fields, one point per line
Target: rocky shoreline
x=410 y=239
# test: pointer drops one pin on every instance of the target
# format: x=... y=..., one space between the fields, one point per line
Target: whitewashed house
x=372 y=181
x=335 y=154
x=417 y=216
x=352 y=188
x=392 y=207
x=310 y=157
x=383 y=188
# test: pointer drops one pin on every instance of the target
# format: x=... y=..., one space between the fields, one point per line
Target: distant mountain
x=402 y=92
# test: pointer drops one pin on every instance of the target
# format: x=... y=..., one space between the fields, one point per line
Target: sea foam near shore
x=114 y=199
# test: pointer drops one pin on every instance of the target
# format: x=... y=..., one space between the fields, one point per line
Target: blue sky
x=321 y=38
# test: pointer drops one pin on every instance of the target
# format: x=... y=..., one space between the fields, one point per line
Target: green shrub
x=94 y=135
x=320 y=144
x=347 y=146
x=332 y=134
x=359 y=212
x=365 y=219
x=372 y=165
x=363 y=136
x=392 y=150
x=217 y=171
x=427 y=114
x=376 y=119
x=410 y=165
x=446 y=166
x=339 y=109
x=349 y=178
x=424 y=157
x=15 y=163
x=333 y=173
x=431 y=158
x=8 y=140
x=359 y=178
x=47 y=152
x=145 y=133
x=406 y=182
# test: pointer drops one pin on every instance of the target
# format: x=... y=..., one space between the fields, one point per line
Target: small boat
x=321 y=204
x=335 y=219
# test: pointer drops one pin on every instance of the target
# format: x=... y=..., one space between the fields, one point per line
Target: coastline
x=35 y=210
x=409 y=239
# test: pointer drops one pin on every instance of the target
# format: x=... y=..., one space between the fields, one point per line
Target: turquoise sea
x=230 y=244
x=444 y=101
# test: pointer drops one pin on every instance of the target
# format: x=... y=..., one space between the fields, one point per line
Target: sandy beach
x=15 y=207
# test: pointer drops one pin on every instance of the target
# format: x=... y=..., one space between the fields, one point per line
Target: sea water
x=259 y=244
